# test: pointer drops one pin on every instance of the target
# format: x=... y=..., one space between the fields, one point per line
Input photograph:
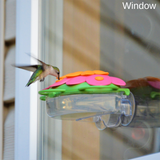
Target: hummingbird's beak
x=58 y=77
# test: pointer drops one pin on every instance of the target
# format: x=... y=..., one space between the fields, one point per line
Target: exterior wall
x=7 y=81
x=1 y=73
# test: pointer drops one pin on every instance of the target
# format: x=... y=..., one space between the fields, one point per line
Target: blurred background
x=78 y=35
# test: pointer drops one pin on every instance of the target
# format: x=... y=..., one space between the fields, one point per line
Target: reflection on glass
x=147 y=97
x=129 y=44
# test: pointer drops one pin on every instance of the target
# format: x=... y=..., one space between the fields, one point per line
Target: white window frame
x=28 y=28
x=25 y=106
x=154 y=156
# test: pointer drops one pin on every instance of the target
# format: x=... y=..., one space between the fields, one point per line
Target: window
x=79 y=35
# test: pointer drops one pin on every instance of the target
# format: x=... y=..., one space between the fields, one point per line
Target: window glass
x=122 y=38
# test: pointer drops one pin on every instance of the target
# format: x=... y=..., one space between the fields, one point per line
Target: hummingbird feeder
x=90 y=96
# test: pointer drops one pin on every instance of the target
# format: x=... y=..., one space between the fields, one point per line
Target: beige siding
x=7 y=77
x=1 y=73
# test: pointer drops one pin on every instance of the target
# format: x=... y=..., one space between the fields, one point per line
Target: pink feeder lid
x=91 y=77
x=76 y=80
x=92 y=81
x=118 y=81
x=59 y=83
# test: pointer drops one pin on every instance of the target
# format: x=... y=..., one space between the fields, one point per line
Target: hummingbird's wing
x=31 y=68
x=44 y=65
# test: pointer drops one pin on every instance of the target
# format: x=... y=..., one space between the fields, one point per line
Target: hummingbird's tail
x=28 y=84
x=33 y=79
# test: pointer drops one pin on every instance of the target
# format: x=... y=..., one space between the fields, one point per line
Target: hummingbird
x=40 y=71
